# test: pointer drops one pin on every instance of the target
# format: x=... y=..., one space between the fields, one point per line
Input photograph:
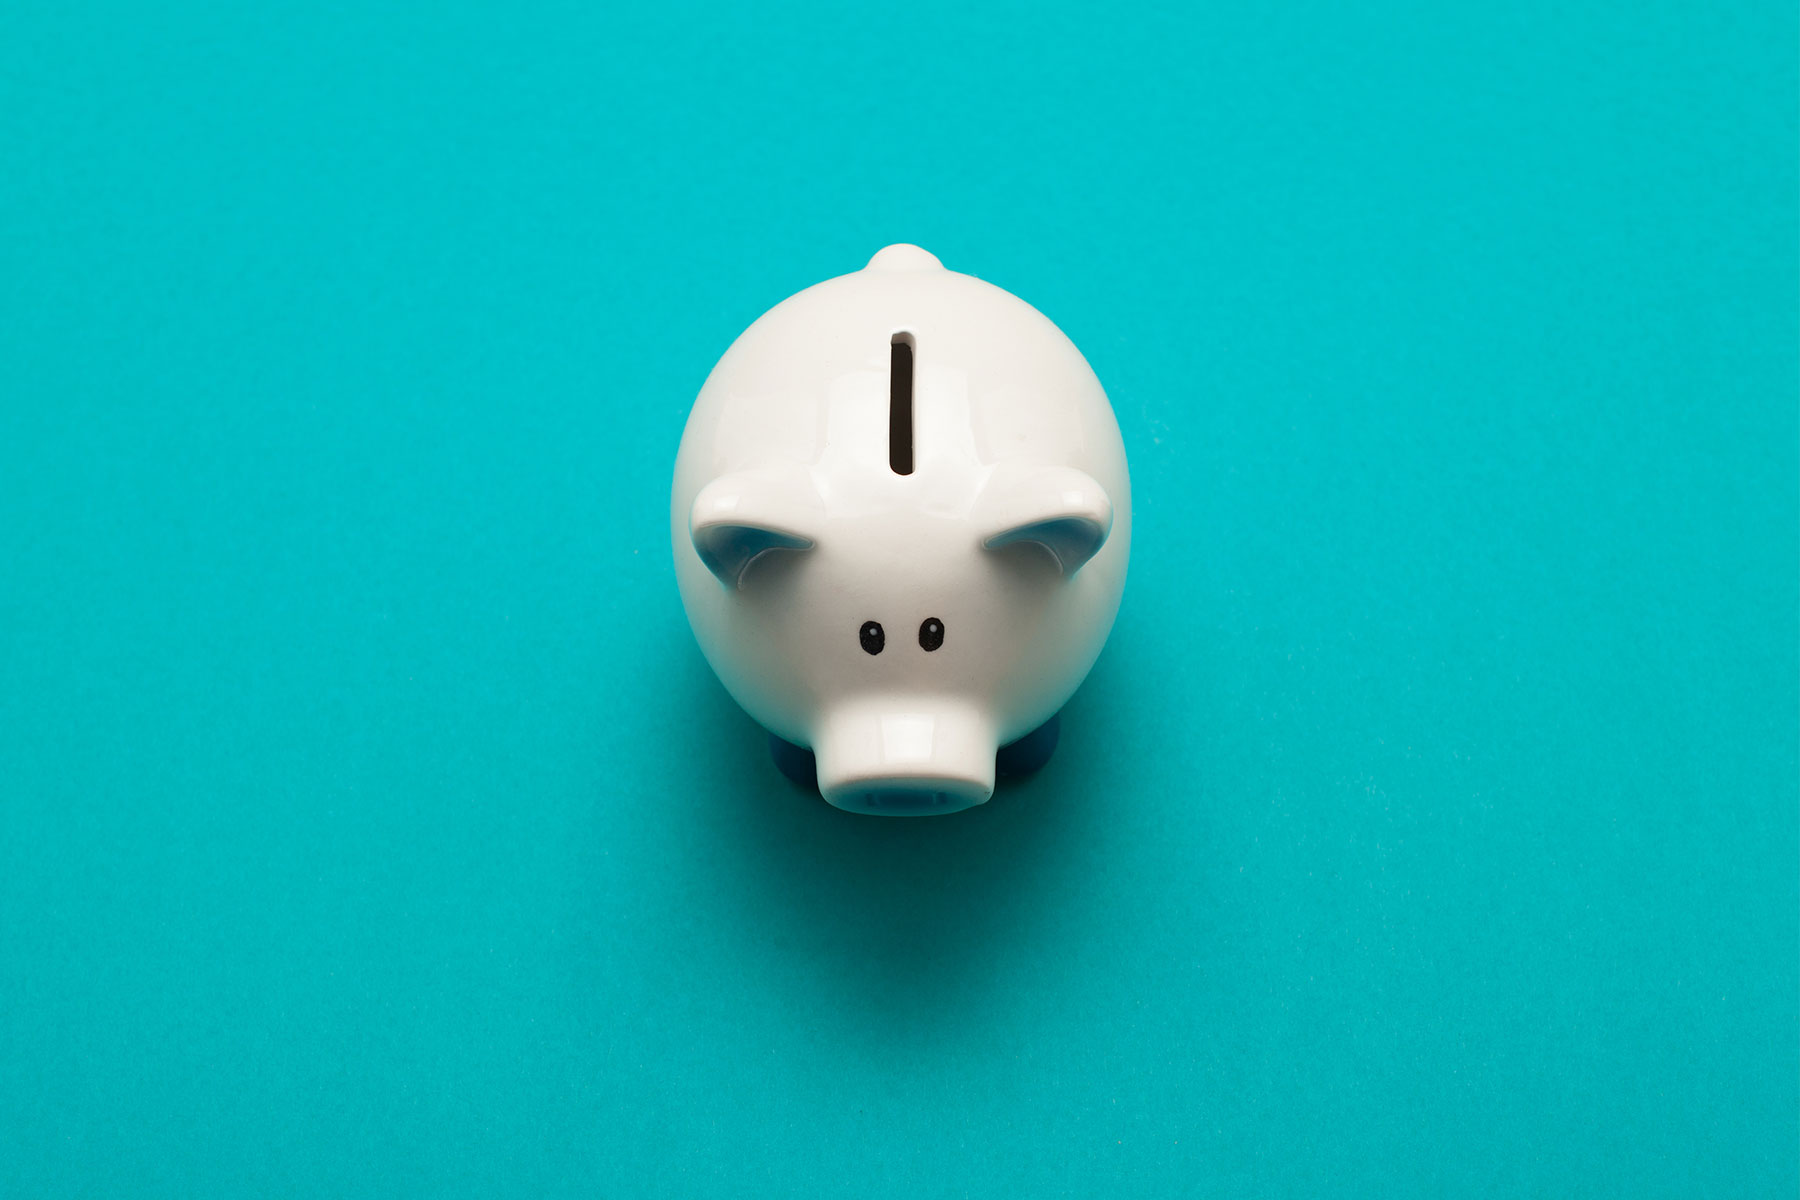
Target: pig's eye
x=931 y=633
x=872 y=637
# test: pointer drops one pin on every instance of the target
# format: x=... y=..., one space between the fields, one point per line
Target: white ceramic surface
x=794 y=529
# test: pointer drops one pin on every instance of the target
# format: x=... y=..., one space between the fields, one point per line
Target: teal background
x=370 y=824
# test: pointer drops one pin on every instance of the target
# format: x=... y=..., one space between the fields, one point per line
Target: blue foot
x=796 y=762
x=1029 y=752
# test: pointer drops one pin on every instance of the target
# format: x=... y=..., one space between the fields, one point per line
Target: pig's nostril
x=903 y=800
x=906 y=797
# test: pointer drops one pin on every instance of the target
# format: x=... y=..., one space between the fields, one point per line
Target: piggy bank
x=901 y=520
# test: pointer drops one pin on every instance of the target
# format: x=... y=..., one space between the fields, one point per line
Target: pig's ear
x=1061 y=509
x=739 y=518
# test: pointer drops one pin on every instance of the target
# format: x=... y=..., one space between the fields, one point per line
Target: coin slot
x=900 y=405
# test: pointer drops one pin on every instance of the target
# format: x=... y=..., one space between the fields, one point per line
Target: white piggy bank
x=901 y=520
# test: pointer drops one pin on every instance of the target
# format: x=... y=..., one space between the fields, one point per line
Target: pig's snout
x=905 y=758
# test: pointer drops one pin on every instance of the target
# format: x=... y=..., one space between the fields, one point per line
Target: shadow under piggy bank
x=913 y=920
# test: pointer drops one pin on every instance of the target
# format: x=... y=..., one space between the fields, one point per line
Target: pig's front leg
x=1029 y=752
x=796 y=762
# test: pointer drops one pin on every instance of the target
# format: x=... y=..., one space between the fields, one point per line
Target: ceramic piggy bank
x=901 y=519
